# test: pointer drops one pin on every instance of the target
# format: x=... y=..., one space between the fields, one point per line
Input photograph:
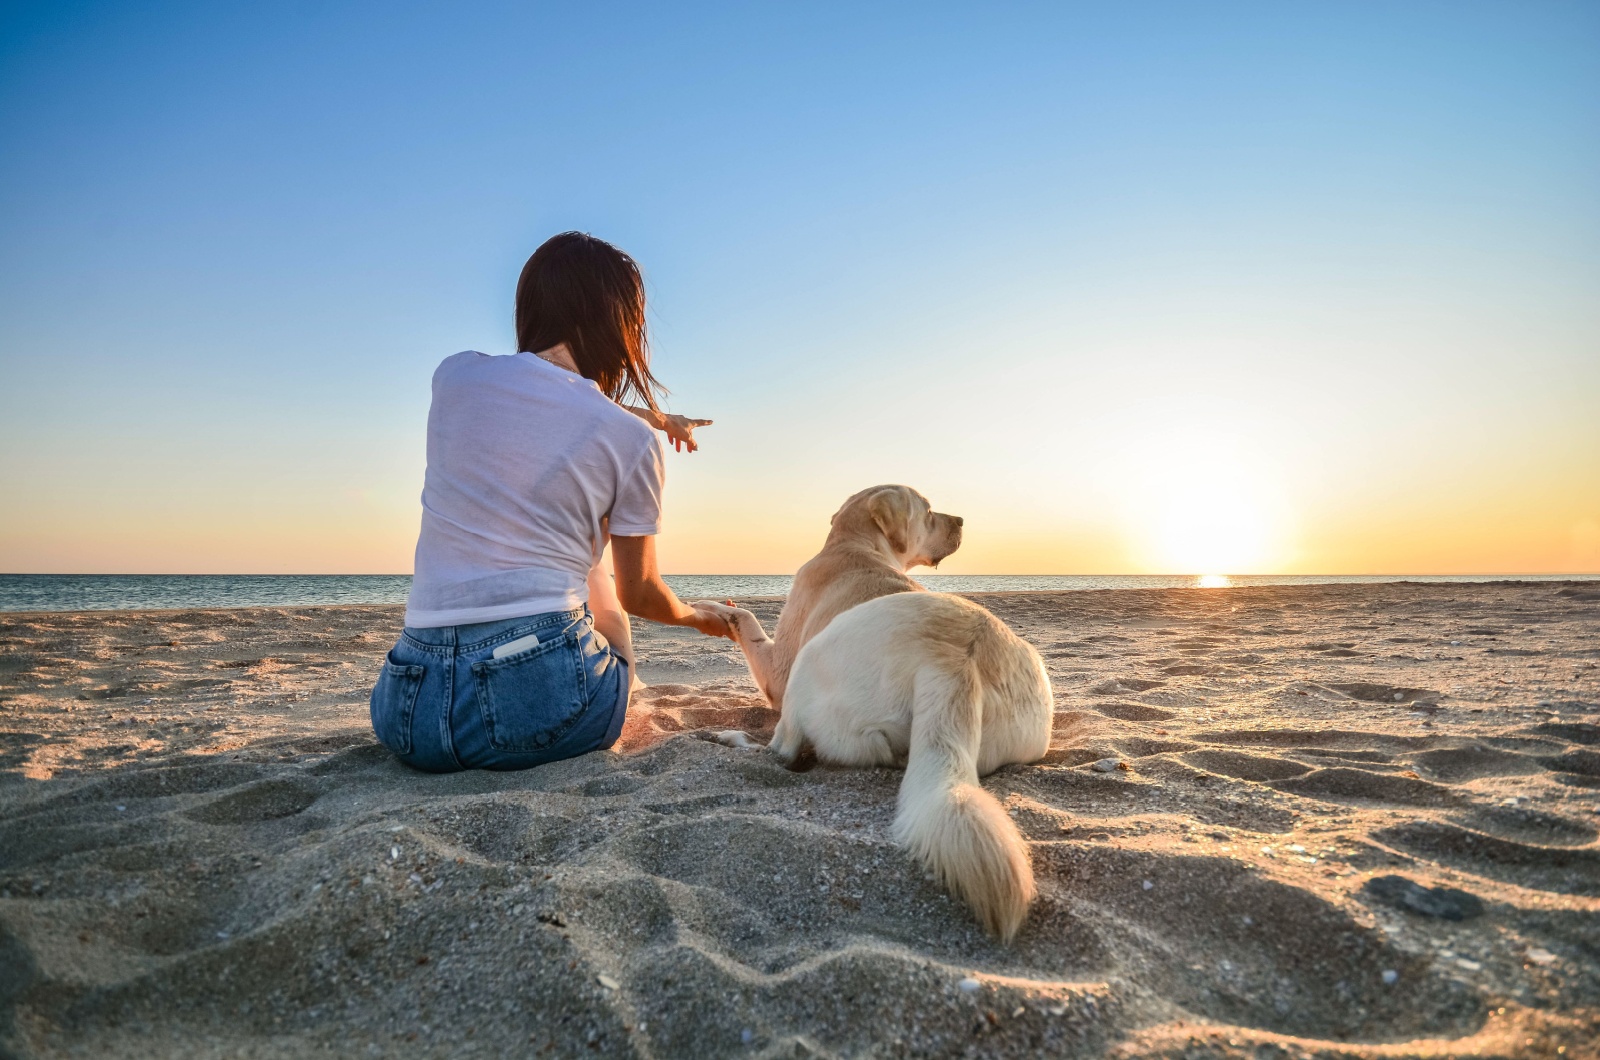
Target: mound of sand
x=203 y=851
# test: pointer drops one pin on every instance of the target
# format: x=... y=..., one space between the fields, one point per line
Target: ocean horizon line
x=157 y=592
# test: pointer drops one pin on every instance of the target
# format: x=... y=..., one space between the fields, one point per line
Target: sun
x=1210 y=528
x=1210 y=524
x=1202 y=505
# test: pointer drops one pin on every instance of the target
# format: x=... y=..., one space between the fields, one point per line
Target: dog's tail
x=950 y=824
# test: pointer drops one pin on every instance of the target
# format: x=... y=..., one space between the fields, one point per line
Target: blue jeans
x=444 y=703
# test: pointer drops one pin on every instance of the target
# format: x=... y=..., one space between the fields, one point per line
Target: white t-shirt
x=524 y=461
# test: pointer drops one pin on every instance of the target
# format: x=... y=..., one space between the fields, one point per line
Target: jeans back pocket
x=529 y=700
x=394 y=701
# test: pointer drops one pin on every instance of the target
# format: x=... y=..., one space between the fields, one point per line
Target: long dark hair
x=584 y=292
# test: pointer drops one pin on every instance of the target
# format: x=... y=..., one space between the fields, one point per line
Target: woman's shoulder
x=635 y=435
x=455 y=366
x=458 y=360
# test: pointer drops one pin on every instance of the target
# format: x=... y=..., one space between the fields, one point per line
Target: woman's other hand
x=680 y=429
x=710 y=623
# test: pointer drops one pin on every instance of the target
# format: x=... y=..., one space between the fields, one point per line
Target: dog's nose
x=957 y=520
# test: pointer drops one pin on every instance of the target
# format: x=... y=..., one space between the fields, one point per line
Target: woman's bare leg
x=610 y=620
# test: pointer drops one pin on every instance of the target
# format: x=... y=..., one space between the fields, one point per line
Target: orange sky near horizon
x=1520 y=531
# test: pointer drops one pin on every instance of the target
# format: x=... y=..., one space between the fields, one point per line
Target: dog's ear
x=891 y=510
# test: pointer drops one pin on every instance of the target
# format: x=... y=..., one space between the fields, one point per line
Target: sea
x=115 y=592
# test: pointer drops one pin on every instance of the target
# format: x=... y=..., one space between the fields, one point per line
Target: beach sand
x=203 y=852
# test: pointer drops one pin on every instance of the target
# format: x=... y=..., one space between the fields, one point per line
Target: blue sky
x=1121 y=283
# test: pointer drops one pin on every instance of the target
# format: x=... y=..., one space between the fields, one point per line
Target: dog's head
x=904 y=520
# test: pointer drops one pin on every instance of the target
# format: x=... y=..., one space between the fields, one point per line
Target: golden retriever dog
x=880 y=672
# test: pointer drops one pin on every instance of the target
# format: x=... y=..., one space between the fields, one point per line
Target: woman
x=516 y=648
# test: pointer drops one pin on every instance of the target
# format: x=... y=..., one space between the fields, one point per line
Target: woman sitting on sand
x=516 y=650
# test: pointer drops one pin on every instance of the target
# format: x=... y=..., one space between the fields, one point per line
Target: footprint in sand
x=1582 y=766
x=1340 y=783
x=1558 y=869
x=1241 y=766
x=1452 y=764
x=1143 y=747
x=1573 y=732
x=1525 y=824
x=264 y=801
x=490 y=828
x=1133 y=712
x=1121 y=686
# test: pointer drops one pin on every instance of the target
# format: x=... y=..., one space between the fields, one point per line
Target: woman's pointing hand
x=680 y=429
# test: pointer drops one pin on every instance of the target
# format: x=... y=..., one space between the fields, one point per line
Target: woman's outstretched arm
x=680 y=429
x=643 y=593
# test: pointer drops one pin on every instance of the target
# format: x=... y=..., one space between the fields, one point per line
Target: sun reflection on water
x=1213 y=581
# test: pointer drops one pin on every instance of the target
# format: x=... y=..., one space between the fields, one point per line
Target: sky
x=1132 y=287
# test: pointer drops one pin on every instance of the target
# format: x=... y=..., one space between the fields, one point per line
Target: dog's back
x=838 y=578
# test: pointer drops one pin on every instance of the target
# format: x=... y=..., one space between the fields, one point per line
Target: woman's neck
x=559 y=356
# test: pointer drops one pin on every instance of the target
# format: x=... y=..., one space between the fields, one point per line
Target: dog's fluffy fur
x=923 y=680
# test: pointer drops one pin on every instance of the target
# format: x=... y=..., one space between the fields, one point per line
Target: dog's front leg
x=788 y=743
x=752 y=640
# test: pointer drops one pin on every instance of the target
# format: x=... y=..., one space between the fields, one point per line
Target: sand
x=203 y=852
